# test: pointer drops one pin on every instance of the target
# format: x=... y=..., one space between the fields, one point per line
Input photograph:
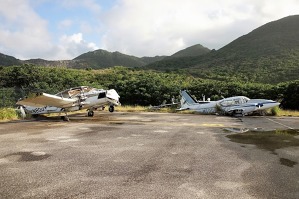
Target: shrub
x=275 y=111
x=8 y=114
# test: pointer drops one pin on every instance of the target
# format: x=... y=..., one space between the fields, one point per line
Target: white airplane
x=73 y=99
x=234 y=106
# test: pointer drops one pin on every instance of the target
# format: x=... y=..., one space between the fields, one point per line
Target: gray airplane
x=235 y=106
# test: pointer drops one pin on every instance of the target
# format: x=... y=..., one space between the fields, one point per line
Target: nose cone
x=276 y=104
x=269 y=104
x=112 y=93
x=113 y=96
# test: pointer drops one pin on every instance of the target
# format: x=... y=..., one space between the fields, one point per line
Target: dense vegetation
x=192 y=51
x=138 y=87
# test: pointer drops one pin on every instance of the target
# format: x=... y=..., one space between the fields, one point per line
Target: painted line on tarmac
x=279 y=123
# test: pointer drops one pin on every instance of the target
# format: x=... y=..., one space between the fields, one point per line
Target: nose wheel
x=111 y=109
x=90 y=113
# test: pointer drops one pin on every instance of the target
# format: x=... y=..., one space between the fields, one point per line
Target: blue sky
x=69 y=18
x=64 y=29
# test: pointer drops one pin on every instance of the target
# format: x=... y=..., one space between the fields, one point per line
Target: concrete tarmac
x=149 y=155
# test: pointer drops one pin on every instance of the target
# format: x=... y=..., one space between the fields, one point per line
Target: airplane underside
x=35 y=112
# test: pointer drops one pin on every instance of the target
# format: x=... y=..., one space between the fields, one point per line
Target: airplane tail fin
x=186 y=100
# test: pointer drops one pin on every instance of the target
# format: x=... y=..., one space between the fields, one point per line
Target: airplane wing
x=44 y=99
x=163 y=106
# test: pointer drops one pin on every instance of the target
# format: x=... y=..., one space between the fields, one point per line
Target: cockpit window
x=245 y=99
x=237 y=101
x=227 y=103
x=234 y=101
x=102 y=95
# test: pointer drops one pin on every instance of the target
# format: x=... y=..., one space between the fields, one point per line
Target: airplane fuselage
x=73 y=99
x=92 y=102
x=232 y=105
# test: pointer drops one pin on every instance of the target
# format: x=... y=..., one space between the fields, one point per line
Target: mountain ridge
x=267 y=54
x=100 y=58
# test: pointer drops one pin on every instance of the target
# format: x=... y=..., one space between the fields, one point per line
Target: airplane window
x=227 y=103
x=237 y=101
x=243 y=100
x=102 y=95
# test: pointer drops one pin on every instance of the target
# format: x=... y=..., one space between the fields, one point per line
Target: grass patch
x=128 y=108
x=276 y=111
x=131 y=108
x=288 y=113
x=8 y=114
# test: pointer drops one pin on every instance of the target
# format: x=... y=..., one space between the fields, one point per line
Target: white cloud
x=65 y=24
x=91 y=5
x=136 y=27
x=21 y=30
x=73 y=45
x=163 y=27
x=75 y=38
x=25 y=35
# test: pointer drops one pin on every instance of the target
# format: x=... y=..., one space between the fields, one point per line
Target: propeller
x=21 y=112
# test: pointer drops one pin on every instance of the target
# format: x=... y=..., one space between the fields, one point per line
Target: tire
x=34 y=116
x=111 y=109
x=235 y=114
x=90 y=114
x=65 y=118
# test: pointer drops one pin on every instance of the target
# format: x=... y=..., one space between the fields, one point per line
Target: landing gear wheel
x=35 y=115
x=238 y=114
x=65 y=118
x=111 y=109
x=90 y=113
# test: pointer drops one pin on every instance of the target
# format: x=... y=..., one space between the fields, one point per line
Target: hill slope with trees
x=103 y=59
x=6 y=60
x=192 y=51
x=268 y=54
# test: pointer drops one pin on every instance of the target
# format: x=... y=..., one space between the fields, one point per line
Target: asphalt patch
x=269 y=140
x=28 y=156
x=287 y=162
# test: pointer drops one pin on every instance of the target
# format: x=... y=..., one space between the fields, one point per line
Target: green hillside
x=104 y=59
x=268 y=54
x=6 y=60
x=149 y=60
x=192 y=51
